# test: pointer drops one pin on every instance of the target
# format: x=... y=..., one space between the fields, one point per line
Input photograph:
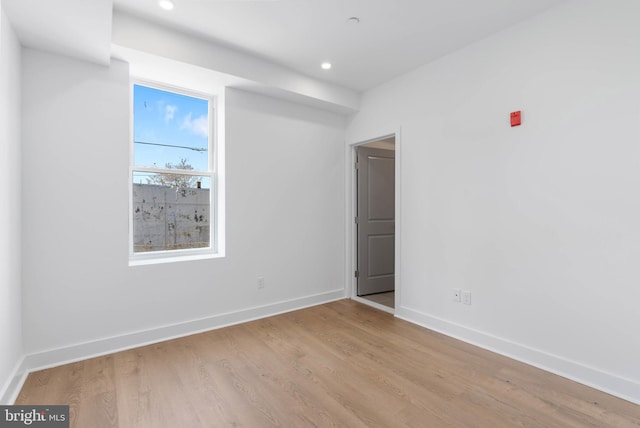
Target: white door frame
x=351 y=233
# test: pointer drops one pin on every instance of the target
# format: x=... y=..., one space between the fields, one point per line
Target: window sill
x=153 y=259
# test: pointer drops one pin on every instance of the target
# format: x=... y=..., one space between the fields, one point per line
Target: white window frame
x=215 y=173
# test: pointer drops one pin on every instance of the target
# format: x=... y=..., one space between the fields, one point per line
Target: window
x=173 y=170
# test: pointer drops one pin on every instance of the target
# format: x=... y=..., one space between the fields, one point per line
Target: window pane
x=170 y=130
x=168 y=217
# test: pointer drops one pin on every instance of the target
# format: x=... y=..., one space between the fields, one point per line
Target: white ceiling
x=273 y=47
x=75 y=28
x=393 y=36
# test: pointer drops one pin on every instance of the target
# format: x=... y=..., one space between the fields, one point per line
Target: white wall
x=541 y=222
x=10 y=214
x=285 y=196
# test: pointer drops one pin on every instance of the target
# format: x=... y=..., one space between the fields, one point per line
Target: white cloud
x=169 y=112
x=198 y=126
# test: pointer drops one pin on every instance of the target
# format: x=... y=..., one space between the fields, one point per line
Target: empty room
x=320 y=213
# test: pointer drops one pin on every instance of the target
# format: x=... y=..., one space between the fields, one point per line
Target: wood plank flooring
x=387 y=299
x=341 y=364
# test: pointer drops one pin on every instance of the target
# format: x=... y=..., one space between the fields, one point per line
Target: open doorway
x=374 y=205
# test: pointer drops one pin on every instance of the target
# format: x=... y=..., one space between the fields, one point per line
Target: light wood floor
x=387 y=299
x=342 y=364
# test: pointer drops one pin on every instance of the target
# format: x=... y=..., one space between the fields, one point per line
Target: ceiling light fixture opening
x=354 y=20
x=166 y=4
x=326 y=65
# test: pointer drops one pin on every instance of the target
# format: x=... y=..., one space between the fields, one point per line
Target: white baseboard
x=12 y=386
x=626 y=389
x=69 y=354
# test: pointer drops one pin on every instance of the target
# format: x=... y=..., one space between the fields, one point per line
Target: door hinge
x=356 y=220
x=355 y=165
x=357 y=274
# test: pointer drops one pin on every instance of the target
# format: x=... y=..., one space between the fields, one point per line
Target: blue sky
x=171 y=119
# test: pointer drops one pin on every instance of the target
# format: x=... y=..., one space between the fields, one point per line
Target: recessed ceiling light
x=354 y=20
x=325 y=65
x=166 y=4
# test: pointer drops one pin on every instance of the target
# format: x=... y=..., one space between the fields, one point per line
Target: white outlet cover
x=466 y=297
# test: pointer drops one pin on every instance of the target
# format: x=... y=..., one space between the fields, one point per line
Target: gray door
x=376 y=220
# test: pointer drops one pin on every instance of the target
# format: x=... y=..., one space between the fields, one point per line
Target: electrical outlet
x=455 y=294
x=466 y=297
x=260 y=283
